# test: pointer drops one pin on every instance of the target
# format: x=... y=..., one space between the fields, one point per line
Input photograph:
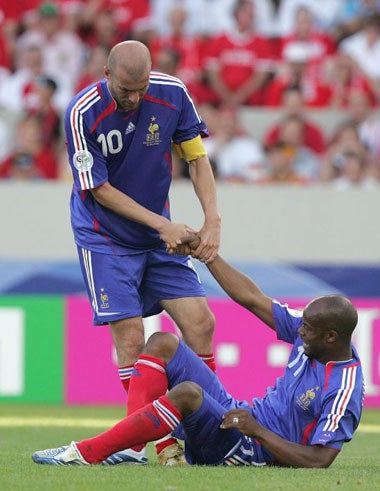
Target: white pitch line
x=102 y=423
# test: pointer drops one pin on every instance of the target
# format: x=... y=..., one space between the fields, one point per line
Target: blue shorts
x=132 y=285
x=205 y=442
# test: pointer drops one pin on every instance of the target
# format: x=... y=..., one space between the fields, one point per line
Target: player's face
x=313 y=339
x=127 y=93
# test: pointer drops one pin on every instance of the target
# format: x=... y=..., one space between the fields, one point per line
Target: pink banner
x=248 y=355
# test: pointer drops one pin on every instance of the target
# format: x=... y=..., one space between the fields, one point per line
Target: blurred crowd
x=294 y=57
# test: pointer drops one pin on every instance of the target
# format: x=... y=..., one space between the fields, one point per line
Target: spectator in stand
x=368 y=125
x=293 y=105
x=46 y=113
x=205 y=17
x=236 y=156
x=62 y=49
x=30 y=159
x=8 y=30
x=352 y=15
x=274 y=19
x=188 y=49
x=306 y=163
x=280 y=167
x=344 y=140
x=318 y=45
x=342 y=77
x=364 y=49
x=294 y=72
x=325 y=12
x=102 y=31
x=17 y=16
x=93 y=68
x=303 y=55
x=71 y=14
x=239 y=62
x=125 y=12
x=354 y=173
x=19 y=90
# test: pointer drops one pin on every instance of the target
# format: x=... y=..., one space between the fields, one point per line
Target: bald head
x=127 y=72
x=132 y=58
x=333 y=312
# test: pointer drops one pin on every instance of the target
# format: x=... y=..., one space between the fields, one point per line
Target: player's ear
x=332 y=336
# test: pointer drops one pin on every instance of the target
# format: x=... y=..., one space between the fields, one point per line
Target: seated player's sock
x=125 y=376
x=146 y=424
x=164 y=442
x=209 y=360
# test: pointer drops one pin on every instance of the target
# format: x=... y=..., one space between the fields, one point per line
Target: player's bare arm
x=204 y=184
x=242 y=289
x=286 y=453
x=110 y=197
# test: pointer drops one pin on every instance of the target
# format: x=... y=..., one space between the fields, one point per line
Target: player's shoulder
x=91 y=97
x=163 y=81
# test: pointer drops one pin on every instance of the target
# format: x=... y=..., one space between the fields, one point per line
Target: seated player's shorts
x=132 y=285
x=205 y=442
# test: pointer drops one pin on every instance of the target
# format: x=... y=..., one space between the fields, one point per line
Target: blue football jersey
x=312 y=403
x=131 y=150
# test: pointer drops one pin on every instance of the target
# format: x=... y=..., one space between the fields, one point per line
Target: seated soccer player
x=302 y=421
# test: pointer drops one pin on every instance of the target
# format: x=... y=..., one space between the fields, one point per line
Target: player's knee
x=210 y=324
x=206 y=325
x=162 y=345
x=187 y=397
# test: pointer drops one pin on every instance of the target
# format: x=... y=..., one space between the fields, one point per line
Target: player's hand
x=189 y=244
x=210 y=241
x=241 y=419
x=172 y=234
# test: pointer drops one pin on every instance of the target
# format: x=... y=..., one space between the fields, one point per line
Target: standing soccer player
x=120 y=132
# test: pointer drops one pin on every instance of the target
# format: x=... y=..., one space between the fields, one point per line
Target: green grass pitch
x=26 y=428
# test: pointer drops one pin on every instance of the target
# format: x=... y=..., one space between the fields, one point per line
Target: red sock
x=147 y=424
x=164 y=442
x=148 y=382
x=209 y=360
x=125 y=376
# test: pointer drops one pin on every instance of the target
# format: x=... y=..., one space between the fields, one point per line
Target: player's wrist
x=161 y=224
x=213 y=219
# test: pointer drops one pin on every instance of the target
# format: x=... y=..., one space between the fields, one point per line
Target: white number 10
x=112 y=143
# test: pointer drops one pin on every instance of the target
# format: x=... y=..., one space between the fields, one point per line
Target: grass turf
x=24 y=429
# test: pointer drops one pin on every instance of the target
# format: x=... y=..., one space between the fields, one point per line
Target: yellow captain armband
x=191 y=149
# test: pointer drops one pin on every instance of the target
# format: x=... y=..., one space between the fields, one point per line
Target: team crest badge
x=83 y=160
x=153 y=135
x=304 y=401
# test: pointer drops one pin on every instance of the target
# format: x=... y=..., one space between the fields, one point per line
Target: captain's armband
x=191 y=149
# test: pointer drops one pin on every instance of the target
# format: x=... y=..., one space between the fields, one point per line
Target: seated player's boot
x=68 y=455
x=172 y=455
x=128 y=456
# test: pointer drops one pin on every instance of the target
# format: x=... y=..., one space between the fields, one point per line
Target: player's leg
x=173 y=361
x=172 y=283
x=112 y=284
x=196 y=322
x=173 y=277
x=187 y=402
x=129 y=341
x=150 y=382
